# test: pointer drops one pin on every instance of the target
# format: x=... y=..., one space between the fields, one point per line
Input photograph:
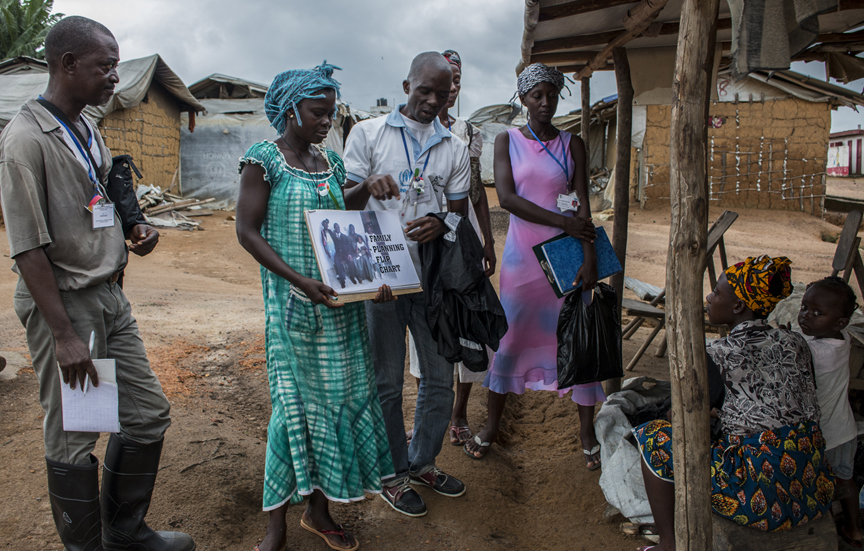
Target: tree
x=23 y=26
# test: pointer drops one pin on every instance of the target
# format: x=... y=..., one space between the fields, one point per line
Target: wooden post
x=586 y=119
x=684 y=270
x=622 y=177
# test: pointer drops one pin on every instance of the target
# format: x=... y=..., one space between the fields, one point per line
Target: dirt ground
x=198 y=302
x=852 y=187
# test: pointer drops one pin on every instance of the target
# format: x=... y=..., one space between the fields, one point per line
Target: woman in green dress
x=326 y=437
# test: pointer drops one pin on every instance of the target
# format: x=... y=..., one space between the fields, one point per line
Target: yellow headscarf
x=752 y=282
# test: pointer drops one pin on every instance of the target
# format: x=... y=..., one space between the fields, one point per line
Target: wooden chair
x=847 y=257
x=642 y=311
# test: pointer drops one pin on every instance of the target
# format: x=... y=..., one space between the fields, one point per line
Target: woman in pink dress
x=533 y=165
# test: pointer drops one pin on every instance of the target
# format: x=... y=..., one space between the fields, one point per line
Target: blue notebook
x=561 y=257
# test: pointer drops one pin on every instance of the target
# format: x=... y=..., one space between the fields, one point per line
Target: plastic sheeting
x=209 y=156
x=492 y=120
x=135 y=78
x=621 y=479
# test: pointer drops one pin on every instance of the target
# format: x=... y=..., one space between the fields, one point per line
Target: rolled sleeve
x=476 y=148
x=357 y=155
x=22 y=195
x=459 y=183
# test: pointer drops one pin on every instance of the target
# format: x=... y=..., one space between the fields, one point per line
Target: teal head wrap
x=292 y=87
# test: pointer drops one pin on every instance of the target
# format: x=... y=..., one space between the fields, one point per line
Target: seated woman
x=767 y=468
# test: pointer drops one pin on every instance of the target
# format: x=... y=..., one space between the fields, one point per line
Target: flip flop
x=590 y=453
x=646 y=548
x=457 y=432
x=324 y=533
x=849 y=541
x=483 y=448
x=638 y=529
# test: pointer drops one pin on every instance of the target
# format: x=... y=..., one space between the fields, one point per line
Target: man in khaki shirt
x=68 y=245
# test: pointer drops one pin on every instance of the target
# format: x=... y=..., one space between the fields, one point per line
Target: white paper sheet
x=98 y=410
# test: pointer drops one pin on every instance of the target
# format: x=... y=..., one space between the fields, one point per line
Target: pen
x=87 y=377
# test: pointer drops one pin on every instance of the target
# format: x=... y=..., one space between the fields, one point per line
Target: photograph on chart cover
x=358 y=251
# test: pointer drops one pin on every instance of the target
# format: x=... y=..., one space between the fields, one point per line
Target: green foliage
x=23 y=26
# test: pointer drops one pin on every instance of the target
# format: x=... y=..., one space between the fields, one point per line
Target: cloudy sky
x=372 y=40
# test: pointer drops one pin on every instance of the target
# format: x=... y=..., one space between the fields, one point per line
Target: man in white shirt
x=407 y=163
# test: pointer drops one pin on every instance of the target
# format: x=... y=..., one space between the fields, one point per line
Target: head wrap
x=761 y=282
x=292 y=87
x=453 y=57
x=536 y=73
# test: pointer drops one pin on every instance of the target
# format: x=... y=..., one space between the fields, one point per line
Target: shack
x=234 y=120
x=844 y=152
x=768 y=141
x=218 y=86
x=142 y=119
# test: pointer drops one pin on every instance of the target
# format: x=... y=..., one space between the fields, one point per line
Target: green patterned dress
x=326 y=431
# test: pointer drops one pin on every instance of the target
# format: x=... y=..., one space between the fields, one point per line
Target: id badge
x=568 y=202
x=422 y=196
x=103 y=215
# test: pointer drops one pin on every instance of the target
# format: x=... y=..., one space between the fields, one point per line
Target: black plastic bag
x=589 y=338
x=121 y=192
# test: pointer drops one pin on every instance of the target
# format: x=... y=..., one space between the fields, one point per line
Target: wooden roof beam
x=562 y=58
x=576 y=7
x=841 y=47
x=637 y=21
x=831 y=38
x=579 y=68
x=850 y=5
x=588 y=40
x=570 y=42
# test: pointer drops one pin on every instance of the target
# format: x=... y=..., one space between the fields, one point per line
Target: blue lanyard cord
x=90 y=171
x=563 y=153
x=408 y=155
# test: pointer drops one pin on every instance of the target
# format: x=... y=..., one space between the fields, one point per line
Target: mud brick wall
x=770 y=155
x=150 y=133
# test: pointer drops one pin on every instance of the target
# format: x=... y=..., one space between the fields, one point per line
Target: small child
x=825 y=311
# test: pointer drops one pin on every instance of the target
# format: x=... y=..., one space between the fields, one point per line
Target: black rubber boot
x=74 y=494
x=128 y=477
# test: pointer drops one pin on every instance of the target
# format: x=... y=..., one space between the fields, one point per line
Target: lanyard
x=59 y=116
x=90 y=171
x=563 y=153
x=417 y=175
